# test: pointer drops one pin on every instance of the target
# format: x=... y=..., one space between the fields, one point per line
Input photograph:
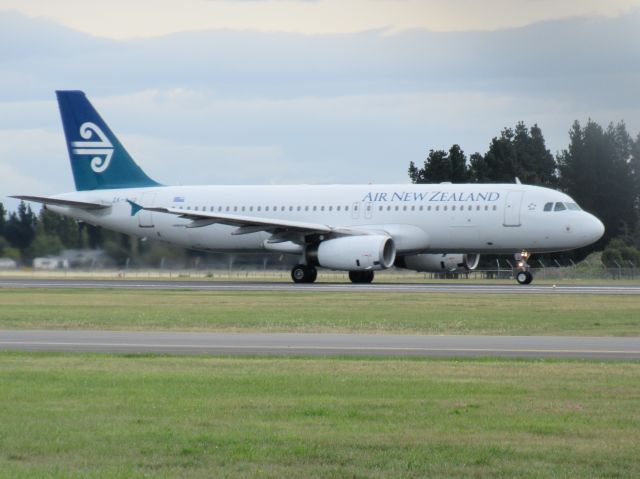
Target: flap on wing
x=262 y=224
x=60 y=202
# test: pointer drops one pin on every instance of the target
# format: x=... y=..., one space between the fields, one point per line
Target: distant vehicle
x=50 y=263
x=8 y=263
x=354 y=228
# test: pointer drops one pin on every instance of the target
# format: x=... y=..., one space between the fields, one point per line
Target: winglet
x=135 y=207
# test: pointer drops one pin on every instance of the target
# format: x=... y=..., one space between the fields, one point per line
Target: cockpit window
x=573 y=207
x=560 y=207
x=548 y=206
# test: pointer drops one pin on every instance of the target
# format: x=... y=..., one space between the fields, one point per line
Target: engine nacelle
x=354 y=253
x=439 y=263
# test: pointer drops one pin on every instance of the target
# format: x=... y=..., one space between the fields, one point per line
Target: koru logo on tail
x=102 y=149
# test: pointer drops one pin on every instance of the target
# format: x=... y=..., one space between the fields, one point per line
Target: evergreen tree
x=501 y=158
x=596 y=171
x=20 y=228
x=458 y=161
x=441 y=166
x=66 y=229
x=520 y=153
x=3 y=219
x=478 y=169
x=635 y=171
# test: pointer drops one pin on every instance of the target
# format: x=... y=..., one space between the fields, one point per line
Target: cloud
x=226 y=106
x=106 y=18
x=582 y=60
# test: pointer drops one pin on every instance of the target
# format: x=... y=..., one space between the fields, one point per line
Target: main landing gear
x=302 y=273
x=361 y=277
x=523 y=273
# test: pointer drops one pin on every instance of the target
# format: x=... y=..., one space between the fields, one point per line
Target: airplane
x=356 y=228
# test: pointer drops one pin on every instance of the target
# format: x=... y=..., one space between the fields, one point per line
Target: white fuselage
x=434 y=218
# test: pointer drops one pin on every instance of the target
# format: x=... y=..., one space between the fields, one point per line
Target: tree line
x=25 y=235
x=600 y=169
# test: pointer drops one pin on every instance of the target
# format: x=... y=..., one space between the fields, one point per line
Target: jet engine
x=439 y=263
x=353 y=253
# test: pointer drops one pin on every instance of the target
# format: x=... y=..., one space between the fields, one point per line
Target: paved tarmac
x=319 y=344
x=464 y=288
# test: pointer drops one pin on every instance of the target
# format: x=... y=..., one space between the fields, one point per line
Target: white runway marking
x=486 y=288
x=319 y=344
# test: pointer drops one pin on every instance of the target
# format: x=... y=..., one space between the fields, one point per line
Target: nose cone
x=594 y=229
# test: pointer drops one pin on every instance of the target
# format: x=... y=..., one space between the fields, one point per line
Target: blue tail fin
x=98 y=159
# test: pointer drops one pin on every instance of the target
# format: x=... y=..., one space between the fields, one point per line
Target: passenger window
x=404 y=208
x=330 y=208
x=306 y=208
x=338 y=208
x=429 y=208
x=346 y=208
x=559 y=207
x=243 y=208
x=486 y=207
x=388 y=207
x=196 y=208
x=413 y=207
x=444 y=208
x=259 y=208
x=397 y=208
x=495 y=207
x=322 y=208
x=421 y=207
x=235 y=208
x=380 y=208
x=437 y=207
x=315 y=208
x=266 y=208
x=453 y=208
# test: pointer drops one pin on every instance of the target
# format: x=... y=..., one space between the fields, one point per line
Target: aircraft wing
x=60 y=202
x=249 y=224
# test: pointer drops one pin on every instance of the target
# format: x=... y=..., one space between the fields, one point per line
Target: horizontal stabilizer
x=60 y=202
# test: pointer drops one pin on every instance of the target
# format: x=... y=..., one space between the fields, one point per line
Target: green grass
x=375 y=312
x=92 y=416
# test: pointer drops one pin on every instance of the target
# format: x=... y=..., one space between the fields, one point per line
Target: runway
x=137 y=342
x=465 y=288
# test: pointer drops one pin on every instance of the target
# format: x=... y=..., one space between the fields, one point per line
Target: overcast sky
x=307 y=91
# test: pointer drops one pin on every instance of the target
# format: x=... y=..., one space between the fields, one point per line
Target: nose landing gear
x=523 y=273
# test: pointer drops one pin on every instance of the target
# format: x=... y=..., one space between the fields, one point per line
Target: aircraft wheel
x=313 y=274
x=361 y=277
x=524 y=277
x=303 y=274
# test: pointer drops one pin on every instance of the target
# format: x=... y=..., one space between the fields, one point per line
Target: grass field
x=91 y=416
x=376 y=312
